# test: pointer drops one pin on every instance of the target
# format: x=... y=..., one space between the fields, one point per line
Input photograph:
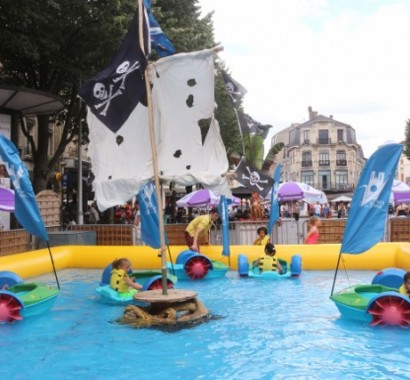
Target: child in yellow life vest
x=120 y=281
x=268 y=262
x=405 y=288
x=263 y=237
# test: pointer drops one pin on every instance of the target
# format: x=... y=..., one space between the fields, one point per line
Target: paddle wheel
x=197 y=267
x=10 y=308
x=157 y=284
x=390 y=310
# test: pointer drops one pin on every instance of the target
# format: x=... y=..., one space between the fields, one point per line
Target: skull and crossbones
x=100 y=92
x=254 y=178
x=231 y=91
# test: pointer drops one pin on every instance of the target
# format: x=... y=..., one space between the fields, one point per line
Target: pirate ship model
x=174 y=96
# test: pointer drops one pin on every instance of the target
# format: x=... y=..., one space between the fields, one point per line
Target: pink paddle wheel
x=9 y=308
x=390 y=310
x=157 y=284
x=197 y=267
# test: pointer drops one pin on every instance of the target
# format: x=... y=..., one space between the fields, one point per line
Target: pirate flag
x=235 y=90
x=115 y=91
x=248 y=176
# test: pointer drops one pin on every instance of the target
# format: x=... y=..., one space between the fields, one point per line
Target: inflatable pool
x=20 y=300
x=314 y=257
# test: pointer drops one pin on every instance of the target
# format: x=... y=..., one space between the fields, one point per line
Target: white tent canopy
x=342 y=198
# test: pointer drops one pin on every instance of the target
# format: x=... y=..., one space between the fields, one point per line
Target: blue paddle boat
x=150 y=280
x=294 y=269
x=19 y=300
x=191 y=265
x=378 y=303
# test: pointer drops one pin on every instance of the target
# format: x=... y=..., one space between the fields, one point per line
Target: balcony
x=323 y=141
x=341 y=162
x=324 y=162
x=306 y=141
x=306 y=163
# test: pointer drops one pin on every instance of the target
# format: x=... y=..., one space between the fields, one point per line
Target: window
x=341 y=158
x=324 y=158
x=306 y=139
x=307 y=177
x=340 y=135
x=341 y=179
x=306 y=159
x=324 y=136
x=324 y=179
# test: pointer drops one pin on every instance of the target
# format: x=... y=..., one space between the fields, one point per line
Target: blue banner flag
x=159 y=41
x=274 y=200
x=147 y=201
x=367 y=216
x=224 y=215
x=26 y=210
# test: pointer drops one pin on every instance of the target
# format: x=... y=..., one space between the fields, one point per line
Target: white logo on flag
x=373 y=188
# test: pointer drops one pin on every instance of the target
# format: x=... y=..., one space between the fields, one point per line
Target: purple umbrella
x=293 y=191
x=203 y=198
x=6 y=199
x=400 y=192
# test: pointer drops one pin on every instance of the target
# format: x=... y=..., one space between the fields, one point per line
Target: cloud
x=348 y=59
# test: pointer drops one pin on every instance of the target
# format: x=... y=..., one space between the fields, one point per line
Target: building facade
x=321 y=152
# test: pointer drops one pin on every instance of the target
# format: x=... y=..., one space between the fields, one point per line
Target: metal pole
x=80 y=214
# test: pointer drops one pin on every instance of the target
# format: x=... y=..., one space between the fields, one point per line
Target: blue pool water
x=286 y=329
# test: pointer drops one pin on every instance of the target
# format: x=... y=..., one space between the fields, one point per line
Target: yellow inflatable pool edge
x=314 y=257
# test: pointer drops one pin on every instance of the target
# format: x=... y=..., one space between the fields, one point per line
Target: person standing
x=296 y=210
x=312 y=236
x=199 y=228
x=94 y=214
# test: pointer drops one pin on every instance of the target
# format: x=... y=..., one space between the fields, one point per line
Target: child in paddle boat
x=268 y=262
x=405 y=288
x=312 y=236
x=263 y=237
x=119 y=280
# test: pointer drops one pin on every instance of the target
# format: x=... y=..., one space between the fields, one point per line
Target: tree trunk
x=40 y=156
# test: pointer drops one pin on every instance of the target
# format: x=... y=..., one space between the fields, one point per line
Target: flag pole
x=154 y=156
x=157 y=184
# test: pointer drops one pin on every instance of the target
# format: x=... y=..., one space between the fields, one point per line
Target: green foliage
x=407 y=140
x=54 y=45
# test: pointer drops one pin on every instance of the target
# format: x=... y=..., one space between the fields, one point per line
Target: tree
x=54 y=45
x=51 y=46
x=407 y=140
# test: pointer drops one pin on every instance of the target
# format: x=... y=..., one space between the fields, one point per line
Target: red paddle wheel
x=197 y=267
x=9 y=308
x=390 y=310
x=157 y=284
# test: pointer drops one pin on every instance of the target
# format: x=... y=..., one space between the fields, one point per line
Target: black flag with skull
x=250 y=177
x=116 y=90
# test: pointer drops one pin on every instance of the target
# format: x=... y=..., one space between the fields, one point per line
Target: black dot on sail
x=178 y=153
x=188 y=167
x=161 y=172
x=191 y=82
x=190 y=101
x=119 y=140
x=110 y=177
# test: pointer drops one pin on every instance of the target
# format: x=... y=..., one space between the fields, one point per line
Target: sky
x=346 y=58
